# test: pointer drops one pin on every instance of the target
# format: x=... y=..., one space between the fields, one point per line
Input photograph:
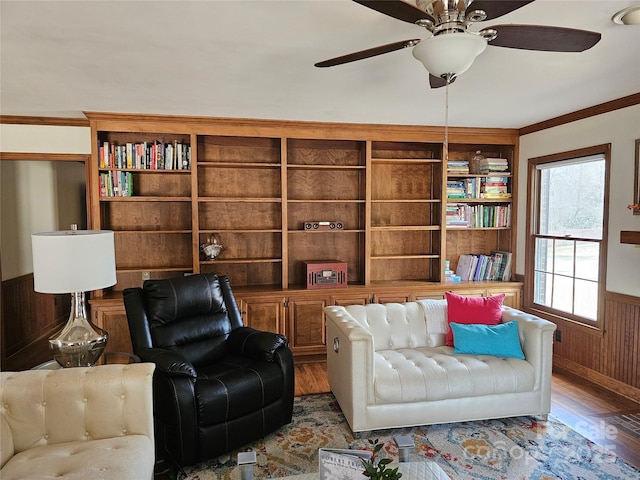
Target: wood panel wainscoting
x=28 y=321
x=607 y=358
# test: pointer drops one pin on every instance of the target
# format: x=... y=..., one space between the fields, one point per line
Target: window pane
x=563 y=257
x=562 y=293
x=587 y=260
x=572 y=200
x=544 y=254
x=542 y=289
x=586 y=304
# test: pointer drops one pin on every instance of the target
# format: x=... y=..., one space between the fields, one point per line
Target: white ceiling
x=254 y=59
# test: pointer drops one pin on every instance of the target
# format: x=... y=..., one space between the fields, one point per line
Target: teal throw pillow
x=500 y=340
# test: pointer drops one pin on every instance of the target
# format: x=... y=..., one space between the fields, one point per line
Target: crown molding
x=582 y=114
x=57 y=121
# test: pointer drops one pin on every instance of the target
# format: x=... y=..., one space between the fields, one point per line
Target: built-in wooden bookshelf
x=406 y=205
x=253 y=184
x=491 y=235
x=325 y=183
x=239 y=199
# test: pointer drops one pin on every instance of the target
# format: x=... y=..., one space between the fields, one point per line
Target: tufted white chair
x=77 y=423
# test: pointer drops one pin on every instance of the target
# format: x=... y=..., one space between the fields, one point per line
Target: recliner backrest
x=192 y=315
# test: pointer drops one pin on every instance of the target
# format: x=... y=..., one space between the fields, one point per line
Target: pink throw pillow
x=472 y=310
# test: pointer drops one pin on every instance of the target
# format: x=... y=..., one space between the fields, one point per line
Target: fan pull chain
x=446 y=121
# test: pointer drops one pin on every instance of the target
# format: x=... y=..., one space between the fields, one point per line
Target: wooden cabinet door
x=352 y=299
x=511 y=299
x=427 y=296
x=113 y=319
x=263 y=313
x=391 y=298
x=469 y=292
x=306 y=325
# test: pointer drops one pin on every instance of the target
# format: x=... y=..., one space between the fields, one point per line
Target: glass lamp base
x=79 y=343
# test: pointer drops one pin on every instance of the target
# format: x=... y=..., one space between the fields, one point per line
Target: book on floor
x=341 y=464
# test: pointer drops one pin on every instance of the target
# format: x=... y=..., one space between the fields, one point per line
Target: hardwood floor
x=587 y=409
x=579 y=404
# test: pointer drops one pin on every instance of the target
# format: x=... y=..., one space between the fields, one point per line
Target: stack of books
x=479 y=267
x=457 y=215
x=458 y=167
x=494 y=187
x=493 y=165
x=456 y=189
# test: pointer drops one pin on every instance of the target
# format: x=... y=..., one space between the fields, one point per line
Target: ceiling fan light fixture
x=628 y=16
x=449 y=54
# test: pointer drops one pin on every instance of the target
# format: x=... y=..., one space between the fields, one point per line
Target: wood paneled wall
x=610 y=357
x=621 y=340
x=28 y=319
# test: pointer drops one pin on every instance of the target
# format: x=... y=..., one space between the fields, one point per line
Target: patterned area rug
x=506 y=449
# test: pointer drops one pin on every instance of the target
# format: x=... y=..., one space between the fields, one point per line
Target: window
x=566 y=252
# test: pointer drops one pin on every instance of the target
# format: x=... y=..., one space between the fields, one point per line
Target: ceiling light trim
x=628 y=16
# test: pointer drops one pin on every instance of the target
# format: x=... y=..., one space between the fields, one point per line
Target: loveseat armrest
x=536 y=336
x=168 y=362
x=350 y=362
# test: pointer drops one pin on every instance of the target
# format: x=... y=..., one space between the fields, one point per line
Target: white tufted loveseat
x=77 y=423
x=388 y=366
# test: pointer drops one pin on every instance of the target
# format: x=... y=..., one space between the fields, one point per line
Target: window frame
x=533 y=215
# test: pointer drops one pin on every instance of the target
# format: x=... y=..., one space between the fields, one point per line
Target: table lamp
x=75 y=261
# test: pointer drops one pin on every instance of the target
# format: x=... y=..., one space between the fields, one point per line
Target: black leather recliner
x=217 y=384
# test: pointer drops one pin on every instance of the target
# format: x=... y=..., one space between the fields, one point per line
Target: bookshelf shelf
x=479 y=200
x=405 y=228
x=145 y=199
x=240 y=260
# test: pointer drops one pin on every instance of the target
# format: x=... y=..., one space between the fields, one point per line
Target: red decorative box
x=325 y=274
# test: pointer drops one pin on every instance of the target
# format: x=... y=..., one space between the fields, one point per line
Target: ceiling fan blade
x=544 y=38
x=371 y=52
x=497 y=8
x=438 y=82
x=396 y=9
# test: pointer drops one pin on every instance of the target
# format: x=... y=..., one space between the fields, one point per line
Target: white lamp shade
x=451 y=53
x=73 y=260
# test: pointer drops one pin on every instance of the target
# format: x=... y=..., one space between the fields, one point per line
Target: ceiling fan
x=452 y=47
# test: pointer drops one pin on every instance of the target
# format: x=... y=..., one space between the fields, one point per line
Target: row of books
x=116 y=184
x=478 y=267
x=483 y=187
x=463 y=215
x=145 y=155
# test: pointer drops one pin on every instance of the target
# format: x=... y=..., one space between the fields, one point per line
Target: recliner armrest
x=256 y=344
x=168 y=362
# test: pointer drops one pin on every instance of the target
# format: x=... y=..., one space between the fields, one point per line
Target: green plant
x=379 y=470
